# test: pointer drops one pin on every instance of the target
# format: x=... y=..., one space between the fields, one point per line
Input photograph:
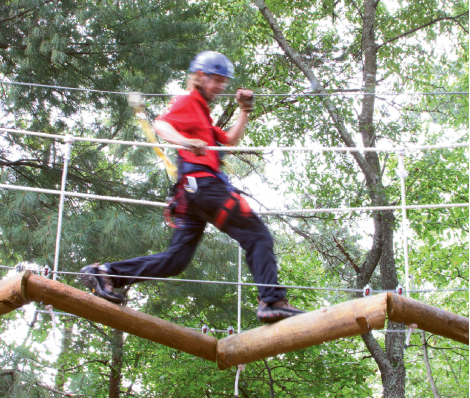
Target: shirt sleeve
x=178 y=113
x=220 y=135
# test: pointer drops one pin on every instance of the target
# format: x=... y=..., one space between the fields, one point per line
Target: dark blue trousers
x=249 y=231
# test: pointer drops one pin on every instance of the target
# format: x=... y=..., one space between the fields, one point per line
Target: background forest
x=342 y=47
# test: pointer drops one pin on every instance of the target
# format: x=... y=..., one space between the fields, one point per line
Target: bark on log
x=85 y=305
x=428 y=318
x=342 y=320
x=13 y=293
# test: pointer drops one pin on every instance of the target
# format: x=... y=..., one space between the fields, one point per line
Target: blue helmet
x=211 y=62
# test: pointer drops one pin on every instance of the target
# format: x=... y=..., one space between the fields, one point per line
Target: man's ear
x=200 y=74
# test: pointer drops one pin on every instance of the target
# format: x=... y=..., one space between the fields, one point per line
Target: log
x=13 y=292
x=342 y=320
x=85 y=305
x=431 y=319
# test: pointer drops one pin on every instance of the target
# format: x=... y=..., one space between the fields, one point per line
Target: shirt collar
x=197 y=95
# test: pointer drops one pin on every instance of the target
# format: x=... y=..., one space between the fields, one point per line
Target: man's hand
x=245 y=99
x=196 y=146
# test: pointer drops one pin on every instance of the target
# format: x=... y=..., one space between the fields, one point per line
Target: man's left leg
x=255 y=238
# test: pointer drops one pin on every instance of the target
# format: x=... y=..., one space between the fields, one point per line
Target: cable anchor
x=19 y=267
x=46 y=272
x=400 y=291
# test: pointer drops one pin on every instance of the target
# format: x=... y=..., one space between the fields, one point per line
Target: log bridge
x=347 y=319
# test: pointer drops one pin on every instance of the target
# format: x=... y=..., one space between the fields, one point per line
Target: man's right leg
x=254 y=237
x=161 y=265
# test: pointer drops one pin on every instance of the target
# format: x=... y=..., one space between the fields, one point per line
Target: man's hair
x=193 y=82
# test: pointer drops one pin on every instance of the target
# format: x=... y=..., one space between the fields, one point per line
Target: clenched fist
x=245 y=99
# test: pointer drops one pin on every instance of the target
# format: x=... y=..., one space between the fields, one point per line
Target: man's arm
x=245 y=100
x=170 y=134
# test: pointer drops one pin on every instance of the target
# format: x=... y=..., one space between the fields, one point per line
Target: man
x=203 y=194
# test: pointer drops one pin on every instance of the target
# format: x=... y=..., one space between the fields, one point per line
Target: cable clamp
x=230 y=331
x=367 y=290
x=46 y=271
x=400 y=290
x=19 y=267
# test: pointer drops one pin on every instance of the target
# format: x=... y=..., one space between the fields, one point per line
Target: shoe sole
x=91 y=282
x=276 y=315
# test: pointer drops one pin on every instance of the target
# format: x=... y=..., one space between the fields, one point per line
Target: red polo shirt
x=190 y=116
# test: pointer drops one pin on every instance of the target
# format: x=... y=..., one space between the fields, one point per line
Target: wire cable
x=263 y=213
x=359 y=93
x=316 y=148
x=350 y=290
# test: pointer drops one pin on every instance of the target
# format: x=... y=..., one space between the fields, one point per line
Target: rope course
x=359 y=92
x=204 y=281
x=401 y=152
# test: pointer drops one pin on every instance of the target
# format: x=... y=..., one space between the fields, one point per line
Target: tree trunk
x=391 y=365
x=116 y=363
x=390 y=361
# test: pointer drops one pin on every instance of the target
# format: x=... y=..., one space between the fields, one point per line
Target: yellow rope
x=135 y=101
x=170 y=167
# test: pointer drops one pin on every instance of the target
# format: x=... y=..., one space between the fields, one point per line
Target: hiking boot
x=100 y=284
x=273 y=312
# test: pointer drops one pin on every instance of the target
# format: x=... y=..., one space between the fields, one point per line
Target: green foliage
x=128 y=46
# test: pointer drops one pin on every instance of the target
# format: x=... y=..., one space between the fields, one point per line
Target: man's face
x=212 y=85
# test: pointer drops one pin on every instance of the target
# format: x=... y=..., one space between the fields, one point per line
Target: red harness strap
x=226 y=209
x=232 y=204
x=178 y=206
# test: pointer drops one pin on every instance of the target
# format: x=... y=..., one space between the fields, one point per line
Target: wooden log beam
x=342 y=320
x=431 y=319
x=13 y=292
x=85 y=305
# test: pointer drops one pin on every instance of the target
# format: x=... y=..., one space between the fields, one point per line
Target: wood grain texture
x=342 y=320
x=13 y=292
x=85 y=305
x=312 y=328
x=431 y=319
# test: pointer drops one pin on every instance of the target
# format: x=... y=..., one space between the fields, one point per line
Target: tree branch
x=86 y=362
x=373 y=256
x=428 y=366
x=17 y=15
x=346 y=254
x=377 y=353
x=65 y=394
x=357 y=8
x=271 y=387
x=24 y=12
x=422 y=27
x=317 y=88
